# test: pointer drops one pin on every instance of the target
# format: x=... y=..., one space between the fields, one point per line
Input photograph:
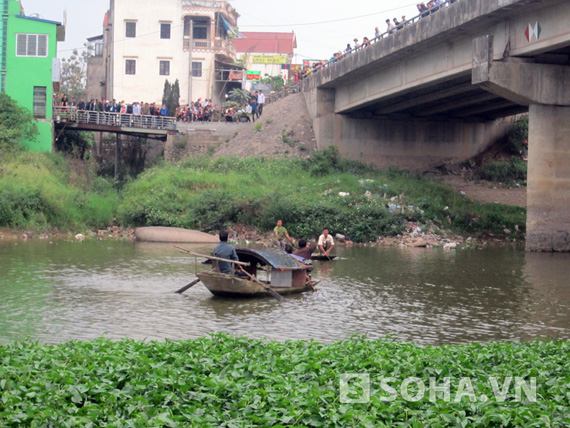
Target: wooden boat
x=284 y=275
x=322 y=257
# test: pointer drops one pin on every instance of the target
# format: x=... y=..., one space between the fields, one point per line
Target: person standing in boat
x=281 y=234
x=326 y=242
x=225 y=251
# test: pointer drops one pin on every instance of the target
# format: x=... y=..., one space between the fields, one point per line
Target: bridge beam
x=545 y=88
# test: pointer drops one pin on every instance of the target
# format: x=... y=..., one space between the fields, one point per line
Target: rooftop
x=266 y=42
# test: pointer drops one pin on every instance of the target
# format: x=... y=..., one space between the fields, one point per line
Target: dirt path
x=486 y=191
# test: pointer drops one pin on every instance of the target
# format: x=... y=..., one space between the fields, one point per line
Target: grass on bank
x=44 y=191
x=236 y=382
x=39 y=191
x=307 y=194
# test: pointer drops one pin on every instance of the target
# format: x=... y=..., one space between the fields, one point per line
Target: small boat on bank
x=322 y=257
x=173 y=234
x=283 y=275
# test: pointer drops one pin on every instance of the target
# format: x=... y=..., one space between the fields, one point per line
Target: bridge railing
x=70 y=114
x=380 y=37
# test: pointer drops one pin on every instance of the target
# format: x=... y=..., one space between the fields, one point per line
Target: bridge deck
x=154 y=127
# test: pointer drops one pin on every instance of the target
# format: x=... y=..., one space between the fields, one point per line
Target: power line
x=333 y=20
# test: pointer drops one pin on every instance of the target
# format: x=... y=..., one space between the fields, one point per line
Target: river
x=59 y=290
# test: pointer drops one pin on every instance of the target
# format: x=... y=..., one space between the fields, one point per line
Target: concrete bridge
x=439 y=90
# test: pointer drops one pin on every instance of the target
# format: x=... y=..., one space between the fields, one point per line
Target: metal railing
x=216 y=44
x=380 y=37
x=70 y=114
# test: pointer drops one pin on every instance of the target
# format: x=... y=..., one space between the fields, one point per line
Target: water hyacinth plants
x=223 y=381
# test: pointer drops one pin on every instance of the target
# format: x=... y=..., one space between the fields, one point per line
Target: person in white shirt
x=260 y=102
x=326 y=242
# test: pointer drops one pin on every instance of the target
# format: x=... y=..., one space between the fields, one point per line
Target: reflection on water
x=70 y=290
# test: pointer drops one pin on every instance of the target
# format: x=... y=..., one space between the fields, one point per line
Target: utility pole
x=190 y=61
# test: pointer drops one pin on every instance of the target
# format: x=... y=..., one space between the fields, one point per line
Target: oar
x=187 y=286
x=211 y=257
x=274 y=293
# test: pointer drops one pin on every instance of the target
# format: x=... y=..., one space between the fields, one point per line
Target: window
x=40 y=101
x=130 y=66
x=200 y=32
x=164 y=68
x=199 y=28
x=32 y=45
x=196 y=69
x=164 y=31
x=131 y=29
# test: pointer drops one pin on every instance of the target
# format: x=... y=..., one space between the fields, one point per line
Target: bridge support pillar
x=548 y=192
x=545 y=89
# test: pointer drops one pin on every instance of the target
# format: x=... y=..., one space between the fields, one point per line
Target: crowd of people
x=392 y=25
x=196 y=111
x=208 y=112
x=109 y=106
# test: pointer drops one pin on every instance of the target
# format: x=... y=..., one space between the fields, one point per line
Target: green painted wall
x=3 y=35
x=23 y=73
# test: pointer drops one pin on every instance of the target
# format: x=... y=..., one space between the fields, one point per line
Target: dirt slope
x=285 y=128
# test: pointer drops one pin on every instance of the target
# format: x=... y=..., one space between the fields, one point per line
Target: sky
x=322 y=26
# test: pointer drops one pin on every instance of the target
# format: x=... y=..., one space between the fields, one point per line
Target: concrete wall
x=406 y=144
x=96 y=74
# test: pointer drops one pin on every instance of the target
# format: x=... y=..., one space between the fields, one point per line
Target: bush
x=517 y=137
x=35 y=194
x=16 y=123
x=515 y=170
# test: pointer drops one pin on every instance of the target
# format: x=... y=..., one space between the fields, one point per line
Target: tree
x=171 y=96
x=239 y=96
x=16 y=123
x=75 y=143
x=174 y=97
x=276 y=82
x=74 y=74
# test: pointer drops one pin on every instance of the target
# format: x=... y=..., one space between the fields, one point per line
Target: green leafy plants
x=224 y=381
x=36 y=194
x=15 y=123
x=287 y=137
x=510 y=172
x=517 y=137
x=257 y=127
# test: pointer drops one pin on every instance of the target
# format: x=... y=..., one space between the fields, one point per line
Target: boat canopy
x=277 y=259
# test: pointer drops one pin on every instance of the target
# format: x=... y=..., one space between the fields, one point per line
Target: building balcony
x=217 y=45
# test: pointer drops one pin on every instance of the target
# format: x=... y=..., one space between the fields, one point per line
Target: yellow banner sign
x=269 y=59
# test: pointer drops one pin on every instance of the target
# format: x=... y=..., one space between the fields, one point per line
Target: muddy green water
x=53 y=292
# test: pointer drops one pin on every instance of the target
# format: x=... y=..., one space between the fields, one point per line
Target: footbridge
x=441 y=89
x=143 y=126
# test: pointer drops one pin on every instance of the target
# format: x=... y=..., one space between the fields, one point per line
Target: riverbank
x=238 y=382
x=42 y=195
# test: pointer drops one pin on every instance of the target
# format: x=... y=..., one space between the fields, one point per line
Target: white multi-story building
x=146 y=42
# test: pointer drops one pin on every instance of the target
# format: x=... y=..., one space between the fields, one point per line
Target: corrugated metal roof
x=265 y=42
x=276 y=258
